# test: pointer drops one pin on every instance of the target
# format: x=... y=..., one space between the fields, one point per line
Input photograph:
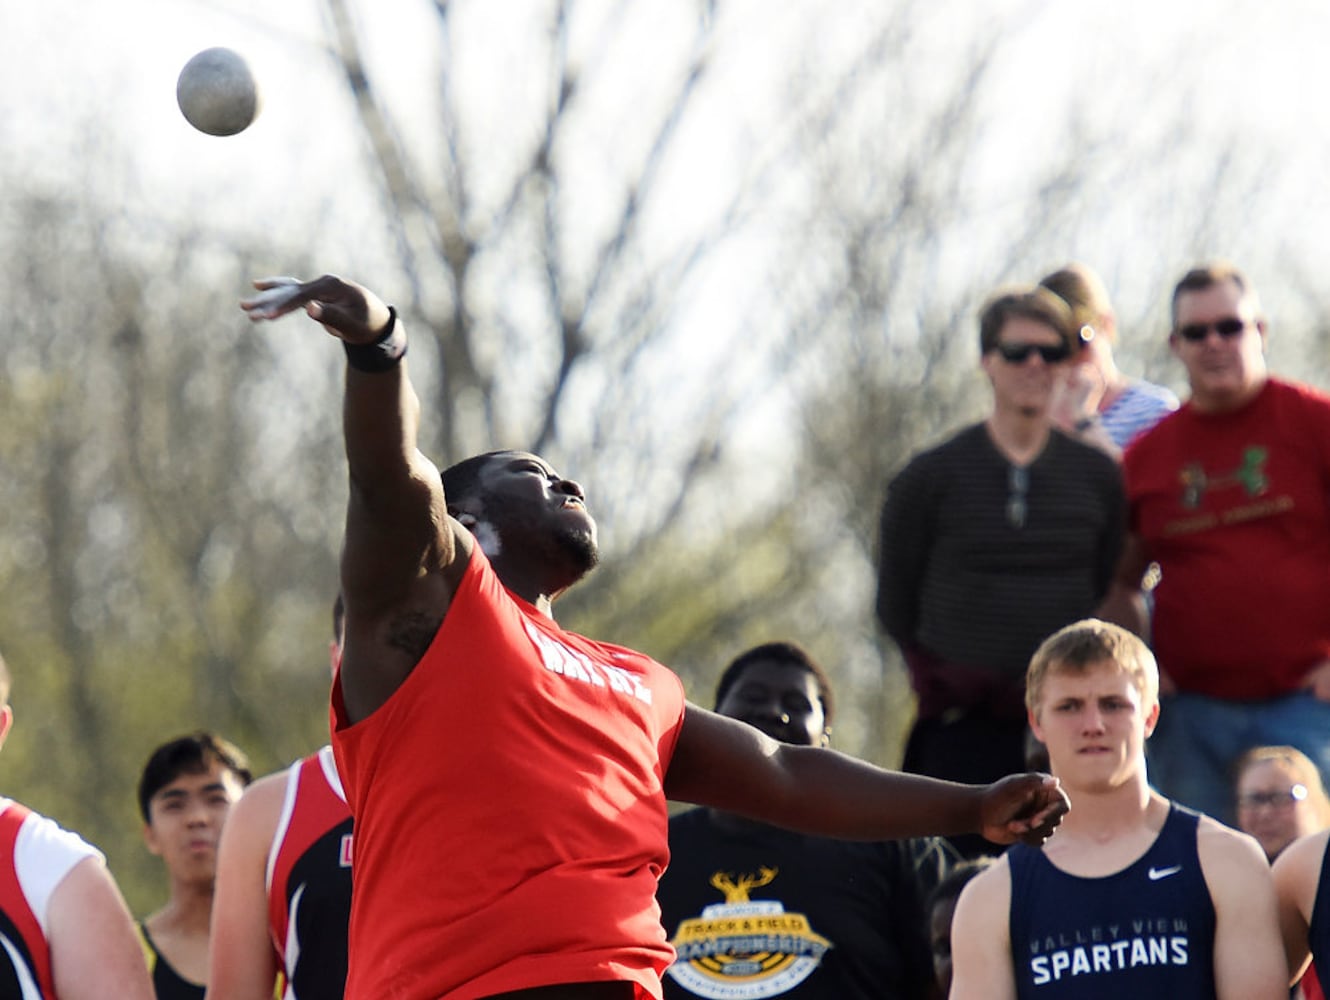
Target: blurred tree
x=717 y=260
x=164 y=564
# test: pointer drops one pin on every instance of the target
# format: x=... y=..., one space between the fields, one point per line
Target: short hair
x=462 y=480
x=780 y=652
x=1083 y=291
x=1025 y=302
x=1299 y=765
x=1082 y=645
x=190 y=754
x=1207 y=276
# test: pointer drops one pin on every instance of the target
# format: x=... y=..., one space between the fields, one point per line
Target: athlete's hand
x=348 y=311
x=1026 y=807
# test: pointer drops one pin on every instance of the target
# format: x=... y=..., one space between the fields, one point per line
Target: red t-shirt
x=1235 y=507
x=511 y=821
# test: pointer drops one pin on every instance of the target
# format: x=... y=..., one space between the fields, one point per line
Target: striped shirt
x=1136 y=409
x=981 y=559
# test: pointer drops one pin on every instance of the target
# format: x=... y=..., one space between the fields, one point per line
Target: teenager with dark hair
x=185 y=792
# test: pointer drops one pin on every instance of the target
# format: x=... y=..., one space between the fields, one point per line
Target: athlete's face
x=779 y=698
x=525 y=503
x=1094 y=725
x=185 y=821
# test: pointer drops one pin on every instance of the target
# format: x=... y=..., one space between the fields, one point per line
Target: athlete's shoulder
x=1301 y=863
x=262 y=800
x=252 y=821
x=1213 y=836
x=995 y=879
x=41 y=840
x=1232 y=862
x=986 y=900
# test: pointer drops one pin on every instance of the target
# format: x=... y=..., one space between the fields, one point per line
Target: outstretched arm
x=730 y=765
x=242 y=964
x=94 y=949
x=402 y=555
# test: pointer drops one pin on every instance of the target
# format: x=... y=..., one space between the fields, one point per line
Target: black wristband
x=383 y=354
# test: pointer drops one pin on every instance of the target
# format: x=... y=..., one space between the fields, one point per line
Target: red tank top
x=309 y=879
x=510 y=815
x=26 y=951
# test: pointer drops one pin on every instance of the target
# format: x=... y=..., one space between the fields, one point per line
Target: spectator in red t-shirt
x=1230 y=496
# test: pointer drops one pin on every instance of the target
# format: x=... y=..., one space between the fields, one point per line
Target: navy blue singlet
x=1146 y=932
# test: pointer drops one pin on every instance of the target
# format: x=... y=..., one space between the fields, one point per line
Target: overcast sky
x=69 y=66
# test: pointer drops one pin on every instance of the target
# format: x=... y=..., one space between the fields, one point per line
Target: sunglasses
x=1018 y=490
x=1196 y=332
x=1018 y=354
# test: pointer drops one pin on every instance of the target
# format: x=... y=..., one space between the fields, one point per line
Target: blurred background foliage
x=718 y=262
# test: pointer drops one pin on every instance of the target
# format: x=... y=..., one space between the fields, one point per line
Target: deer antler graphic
x=736 y=890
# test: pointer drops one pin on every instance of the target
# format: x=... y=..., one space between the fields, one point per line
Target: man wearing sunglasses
x=991 y=541
x=1229 y=497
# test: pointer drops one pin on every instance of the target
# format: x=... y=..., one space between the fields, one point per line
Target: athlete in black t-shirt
x=757 y=911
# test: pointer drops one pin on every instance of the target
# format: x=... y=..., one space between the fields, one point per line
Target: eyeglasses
x=1018 y=354
x=1277 y=800
x=1018 y=488
x=1196 y=332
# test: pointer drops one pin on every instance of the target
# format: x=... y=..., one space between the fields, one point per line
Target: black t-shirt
x=764 y=912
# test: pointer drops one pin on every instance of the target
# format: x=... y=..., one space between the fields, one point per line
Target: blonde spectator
x=1098 y=402
x=1279 y=796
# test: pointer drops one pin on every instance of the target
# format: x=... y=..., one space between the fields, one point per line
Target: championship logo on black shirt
x=745 y=949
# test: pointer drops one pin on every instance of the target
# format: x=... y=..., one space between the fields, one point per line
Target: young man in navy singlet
x=1137 y=896
x=465 y=718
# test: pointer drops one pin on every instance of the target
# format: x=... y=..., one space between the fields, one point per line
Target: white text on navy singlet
x=1108 y=949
